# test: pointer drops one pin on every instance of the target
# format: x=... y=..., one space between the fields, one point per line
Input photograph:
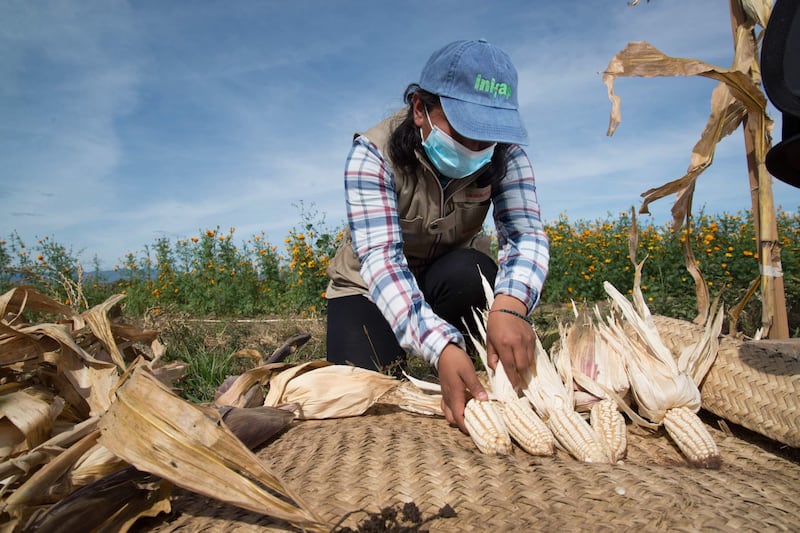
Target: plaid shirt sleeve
x=523 y=248
x=378 y=242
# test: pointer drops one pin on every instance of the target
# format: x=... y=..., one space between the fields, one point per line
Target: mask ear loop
x=421 y=137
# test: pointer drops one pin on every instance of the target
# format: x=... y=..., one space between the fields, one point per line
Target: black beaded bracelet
x=512 y=312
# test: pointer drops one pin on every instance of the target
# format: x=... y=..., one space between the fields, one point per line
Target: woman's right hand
x=459 y=381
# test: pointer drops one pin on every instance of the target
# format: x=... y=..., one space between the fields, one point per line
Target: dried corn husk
x=324 y=390
x=97 y=319
x=666 y=389
x=22 y=464
x=597 y=367
x=656 y=381
x=238 y=393
x=18 y=299
x=25 y=422
x=155 y=431
x=554 y=401
x=758 y=11
x=37 y=489
x=416 y=396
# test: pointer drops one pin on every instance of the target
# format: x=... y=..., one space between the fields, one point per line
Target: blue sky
x=122 y=122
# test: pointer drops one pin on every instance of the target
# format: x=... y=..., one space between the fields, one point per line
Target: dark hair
x=405 y=141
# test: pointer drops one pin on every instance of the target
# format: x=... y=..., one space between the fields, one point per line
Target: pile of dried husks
x=92 y=437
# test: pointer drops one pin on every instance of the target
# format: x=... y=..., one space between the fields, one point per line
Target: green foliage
x=208 y=363
x=53 y=269
x=584 y=254
x=212 y=274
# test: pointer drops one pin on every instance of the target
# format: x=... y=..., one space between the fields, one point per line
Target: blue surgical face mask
x=452 y=158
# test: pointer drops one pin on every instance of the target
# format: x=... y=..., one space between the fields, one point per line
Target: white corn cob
x=526 y=428
x=576 y=436
x=692 y=437
x=609 y=424
x=486 y=428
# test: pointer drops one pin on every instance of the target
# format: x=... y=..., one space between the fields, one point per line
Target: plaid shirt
x=378 y=242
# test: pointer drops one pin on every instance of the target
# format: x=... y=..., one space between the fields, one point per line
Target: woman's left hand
x=510 y=339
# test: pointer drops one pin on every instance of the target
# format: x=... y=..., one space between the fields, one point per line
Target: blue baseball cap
x=477 y=85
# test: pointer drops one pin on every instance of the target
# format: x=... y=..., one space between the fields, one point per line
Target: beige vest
x=433 y=221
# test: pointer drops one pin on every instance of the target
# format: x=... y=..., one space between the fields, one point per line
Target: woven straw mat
x=388 y=457
x=755 y=384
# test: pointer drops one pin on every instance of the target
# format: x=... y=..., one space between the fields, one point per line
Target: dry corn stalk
x=666 y=391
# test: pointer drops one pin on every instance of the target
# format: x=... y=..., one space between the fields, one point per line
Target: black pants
x=359 y=335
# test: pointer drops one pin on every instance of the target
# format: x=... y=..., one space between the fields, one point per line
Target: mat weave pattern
x=390 y=457
x=755 y=384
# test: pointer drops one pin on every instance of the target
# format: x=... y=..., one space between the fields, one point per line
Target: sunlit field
x=219 y=274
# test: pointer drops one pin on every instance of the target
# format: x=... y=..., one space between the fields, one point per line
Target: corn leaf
x=18 y=299
x=97 y=319
x=736 y=96
x=157 y=432
x=32 y=419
